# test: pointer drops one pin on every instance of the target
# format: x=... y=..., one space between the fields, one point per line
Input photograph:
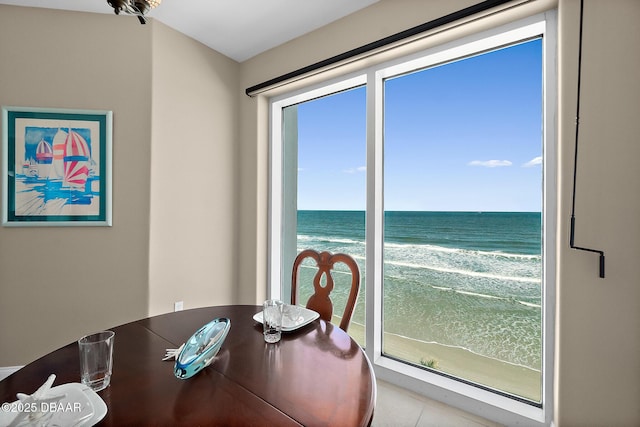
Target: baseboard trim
x=5 y=371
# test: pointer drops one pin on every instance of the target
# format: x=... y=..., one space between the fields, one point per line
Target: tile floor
x=396 y=407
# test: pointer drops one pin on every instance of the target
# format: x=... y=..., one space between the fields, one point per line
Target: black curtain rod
x=447 y=19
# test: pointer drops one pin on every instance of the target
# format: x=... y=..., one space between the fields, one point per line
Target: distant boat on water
x=30 y=168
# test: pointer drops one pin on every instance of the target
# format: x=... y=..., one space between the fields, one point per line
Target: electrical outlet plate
x=178 y=306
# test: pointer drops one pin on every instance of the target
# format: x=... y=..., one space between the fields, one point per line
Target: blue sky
x=464 y=136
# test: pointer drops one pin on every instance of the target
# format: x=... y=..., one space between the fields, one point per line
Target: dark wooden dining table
x=315 y=376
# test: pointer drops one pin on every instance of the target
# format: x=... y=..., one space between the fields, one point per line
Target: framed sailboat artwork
x=56 y=167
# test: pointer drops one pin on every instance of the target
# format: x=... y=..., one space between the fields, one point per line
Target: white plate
x=305 y=317
x=80 y=407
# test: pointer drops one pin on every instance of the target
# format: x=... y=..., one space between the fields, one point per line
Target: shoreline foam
x=507 y=377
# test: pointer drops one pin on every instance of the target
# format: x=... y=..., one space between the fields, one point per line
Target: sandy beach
x=517 y=380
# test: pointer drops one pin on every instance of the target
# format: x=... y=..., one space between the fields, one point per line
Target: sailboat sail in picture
x=44 y=158
x=58 y=153
x=76 y=161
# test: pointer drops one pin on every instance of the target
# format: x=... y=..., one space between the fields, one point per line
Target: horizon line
x=415 y=210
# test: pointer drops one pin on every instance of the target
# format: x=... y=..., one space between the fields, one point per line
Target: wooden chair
x=320 y=301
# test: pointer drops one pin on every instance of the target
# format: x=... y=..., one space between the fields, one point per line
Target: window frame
x=493 y=405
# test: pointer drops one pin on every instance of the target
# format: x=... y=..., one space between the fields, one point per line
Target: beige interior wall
x=58 y=283
x=193 y=171
x=598 y=320
x=598 y=381
x=253 y=152
x=175 y=127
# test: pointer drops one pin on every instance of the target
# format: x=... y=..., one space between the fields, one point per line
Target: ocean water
x=464 y=279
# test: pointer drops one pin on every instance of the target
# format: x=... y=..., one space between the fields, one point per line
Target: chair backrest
x=320 y=301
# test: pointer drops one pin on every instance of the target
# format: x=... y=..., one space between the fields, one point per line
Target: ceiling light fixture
x=134 y=7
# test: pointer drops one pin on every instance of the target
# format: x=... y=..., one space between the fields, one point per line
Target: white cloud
x=533 y=162
x=355 y=170
x=490 y=163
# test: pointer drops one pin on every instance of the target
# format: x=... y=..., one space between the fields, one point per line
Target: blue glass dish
x=198 y=352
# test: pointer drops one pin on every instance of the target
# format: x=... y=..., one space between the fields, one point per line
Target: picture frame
x=56 y=167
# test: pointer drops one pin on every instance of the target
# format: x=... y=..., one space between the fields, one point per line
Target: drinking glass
x=293 y=315
x=96 y=359
x=272 y=320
